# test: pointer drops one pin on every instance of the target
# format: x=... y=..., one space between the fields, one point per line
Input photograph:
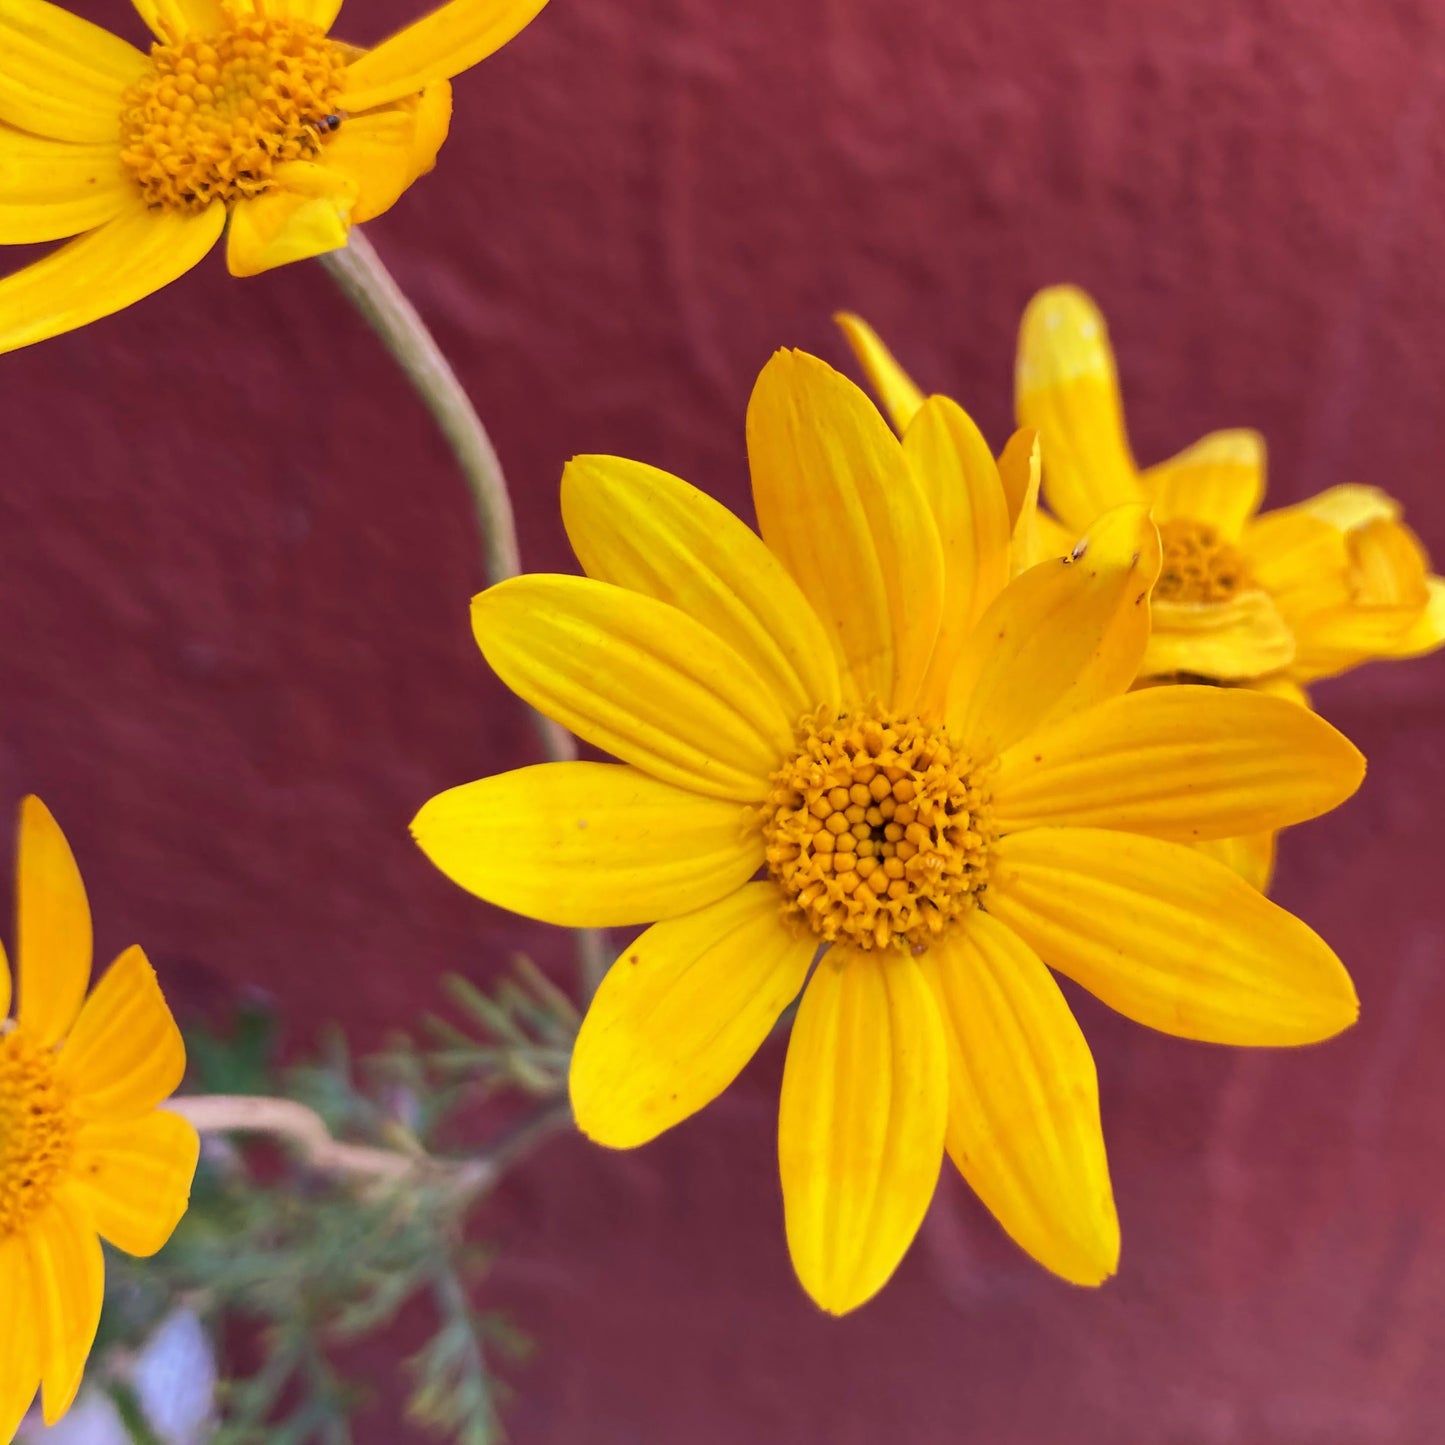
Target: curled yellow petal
x=381 y=152
x=1233 y=641
x=588 y=845
x=893 y=386
x=1066 y=387
x=1023 y=1113
x=1178 y=762
x=861 y=1123
x=1218 y=481
x=1062 y=636
x=681 y=1012
x=308 y=215
x=1251 y=855
x=1169 y=937
x=170 y=19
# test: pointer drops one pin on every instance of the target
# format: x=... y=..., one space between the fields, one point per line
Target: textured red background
x=234 y=570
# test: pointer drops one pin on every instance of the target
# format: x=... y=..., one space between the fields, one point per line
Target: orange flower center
x=37 y=1132
x=878 y=830
x=217 y=114
x=1199 y=565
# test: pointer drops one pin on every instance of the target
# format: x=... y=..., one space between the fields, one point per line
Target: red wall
x=234 y=572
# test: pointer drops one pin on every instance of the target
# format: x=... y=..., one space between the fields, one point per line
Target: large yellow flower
x=1283 y=598
x=844 y=735
x=244 y=110
x=85 y=1154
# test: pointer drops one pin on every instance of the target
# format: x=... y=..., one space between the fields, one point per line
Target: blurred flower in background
x=85 y=1151
x=239 y=114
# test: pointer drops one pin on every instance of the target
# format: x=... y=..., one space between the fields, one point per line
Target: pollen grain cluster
x=217 y=114
x=36 y=1130
x=1199 y=565
x=878 y=831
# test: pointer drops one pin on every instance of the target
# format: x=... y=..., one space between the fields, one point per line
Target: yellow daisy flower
x=243 y=111
x=836 y=736
x=85 y=1153
x=1288 y=597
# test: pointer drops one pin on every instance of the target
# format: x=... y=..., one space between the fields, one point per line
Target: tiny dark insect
x=328 y=122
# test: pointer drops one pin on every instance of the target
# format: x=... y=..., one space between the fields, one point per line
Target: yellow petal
x=1251 y=856
x=1427 y=632
x=51 y=189
x=1301 y=560
x=1219 y=480
x=383 y=151
x=643 y=529
x=587 y=845
x=53 y=935
x=1066 y=387
x=1061 y=637
x=861 y=1123
x=134 y=1177
x=171 y=19
x=680 y=1013
x=309 y=216
x=1350 y=506
x=19 y=1336
x=60 y=75
x=448 y=41
x=1231 y=641
x=1020 y=467
x=5 y=985
x=69 y=1279
x=125 y=1054
x=1023 y=1112
x=1170 y=938
x=893 y=386
x=960 y=479
x=637 y=678
x=837 y=502
x=1178 y=762
x=104 y=271
x=1389 y=567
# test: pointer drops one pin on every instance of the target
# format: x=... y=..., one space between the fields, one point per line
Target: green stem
x=371 y=288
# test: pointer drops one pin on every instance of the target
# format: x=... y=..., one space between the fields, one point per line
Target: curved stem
x=372 y=289
x=306 y=1130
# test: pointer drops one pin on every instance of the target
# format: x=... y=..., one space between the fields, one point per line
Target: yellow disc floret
x=218 y=113
x=1199 y=565
x=36 y=1130
x=878 y=830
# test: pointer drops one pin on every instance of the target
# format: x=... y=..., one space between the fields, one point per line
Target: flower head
x=245 y=116
x=1287 y=597
x=854 y=733
x=85 y=1153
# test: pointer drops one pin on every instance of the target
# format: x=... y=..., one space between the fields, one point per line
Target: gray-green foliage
x=296 y=1263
